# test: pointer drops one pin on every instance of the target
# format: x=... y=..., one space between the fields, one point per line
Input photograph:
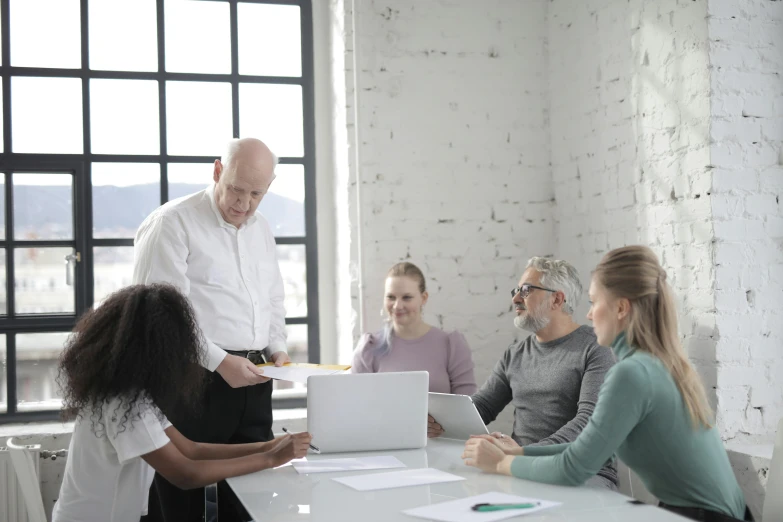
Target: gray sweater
x=553 y=387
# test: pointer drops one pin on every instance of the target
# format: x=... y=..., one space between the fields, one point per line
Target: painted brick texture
x=629 y=90
x=746 y=135
x=482 y=133
x=453 y=167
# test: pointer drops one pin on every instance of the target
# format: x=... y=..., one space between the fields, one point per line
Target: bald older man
x=214 y=247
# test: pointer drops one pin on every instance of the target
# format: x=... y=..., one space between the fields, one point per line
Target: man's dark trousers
x=225 y=415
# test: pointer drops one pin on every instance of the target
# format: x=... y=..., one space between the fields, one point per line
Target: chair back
x=773 y=499
x=25 y=469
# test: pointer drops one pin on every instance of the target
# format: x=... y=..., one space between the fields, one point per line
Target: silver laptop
x=368 y=411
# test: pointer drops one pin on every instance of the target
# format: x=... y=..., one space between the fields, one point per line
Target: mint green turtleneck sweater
x=641 y=416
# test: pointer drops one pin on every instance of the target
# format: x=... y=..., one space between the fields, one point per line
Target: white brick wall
x=746 y=55
x=481 y=133
x=648 y=148
x=630 y=157
x=453 y=158
x=454 y=151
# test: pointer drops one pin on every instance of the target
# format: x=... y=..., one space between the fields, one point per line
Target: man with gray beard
x=553 y=376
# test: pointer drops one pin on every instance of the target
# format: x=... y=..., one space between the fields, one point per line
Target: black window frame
x=80 y=166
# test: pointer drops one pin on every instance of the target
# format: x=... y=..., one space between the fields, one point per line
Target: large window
x=113 y=107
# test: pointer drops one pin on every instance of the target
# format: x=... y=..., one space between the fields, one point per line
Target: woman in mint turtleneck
x=408 y=343
x=652 y=410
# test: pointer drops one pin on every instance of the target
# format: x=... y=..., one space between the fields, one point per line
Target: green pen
x=499 y=507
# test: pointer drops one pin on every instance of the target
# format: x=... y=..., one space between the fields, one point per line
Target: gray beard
x=532 y=321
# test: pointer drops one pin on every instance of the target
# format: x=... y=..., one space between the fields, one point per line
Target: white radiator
x=12 y=504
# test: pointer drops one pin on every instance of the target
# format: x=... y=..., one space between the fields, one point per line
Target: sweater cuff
x=522 y=467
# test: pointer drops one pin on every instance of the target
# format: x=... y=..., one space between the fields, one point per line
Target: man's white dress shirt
x=230 y=275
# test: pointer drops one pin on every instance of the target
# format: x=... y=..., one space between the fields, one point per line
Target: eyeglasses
x=524 y=290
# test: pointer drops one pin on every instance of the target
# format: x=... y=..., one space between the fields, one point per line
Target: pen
x=315 y=449
x=497 y=507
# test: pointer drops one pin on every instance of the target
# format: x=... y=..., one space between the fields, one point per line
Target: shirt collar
x=215 y=210
x=621 y=348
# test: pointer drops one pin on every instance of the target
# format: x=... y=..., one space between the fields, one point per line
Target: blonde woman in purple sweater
x=407 y=343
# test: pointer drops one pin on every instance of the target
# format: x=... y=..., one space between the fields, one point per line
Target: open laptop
x=368 y=411
x=457 y=415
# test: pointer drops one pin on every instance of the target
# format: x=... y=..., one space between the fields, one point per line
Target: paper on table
x=291 y=462
x=398 y=479
x=350 y=464
x=459 y=510
x=299 y=372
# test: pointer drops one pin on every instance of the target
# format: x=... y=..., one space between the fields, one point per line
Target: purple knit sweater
x=446 y=356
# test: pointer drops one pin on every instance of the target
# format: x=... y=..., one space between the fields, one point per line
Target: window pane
x=187 y=178
x=270 y=41
x=3 y=287
x=199 y=121
x=46 y=33
x=46 y=115
x=273 y=114
x=113 y=270
x=43 y=206
x=297 y=351
x=37 y=357
x=283 y=207
x=291 y=259
x=123 y=35
x=198 y=37
x=124 y=117
x=123 y=194
x=40 y=281
x=3 y=377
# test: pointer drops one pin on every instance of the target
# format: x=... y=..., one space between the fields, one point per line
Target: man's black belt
x=254 y=356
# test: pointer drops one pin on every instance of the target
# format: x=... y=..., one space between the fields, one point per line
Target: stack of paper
x=398 y=479
x=349 y=464
x=460 y=510
x=299 y=372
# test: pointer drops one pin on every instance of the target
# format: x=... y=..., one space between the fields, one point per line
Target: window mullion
x=164 y=179
x=233 y=18
x=11 y=366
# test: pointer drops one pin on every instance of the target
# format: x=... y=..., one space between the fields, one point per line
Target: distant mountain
x=46 y=212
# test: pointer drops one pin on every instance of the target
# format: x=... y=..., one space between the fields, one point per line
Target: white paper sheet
x=459 y=510
x=398 y=479
x=291 y=462
x=296 y=374
x=349 y=464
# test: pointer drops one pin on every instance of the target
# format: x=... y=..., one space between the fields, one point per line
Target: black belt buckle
x=256 y=356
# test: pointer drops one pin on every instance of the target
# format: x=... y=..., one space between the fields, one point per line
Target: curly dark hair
x=141 y=345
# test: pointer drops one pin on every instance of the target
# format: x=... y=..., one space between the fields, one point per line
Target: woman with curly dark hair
x=135 y=355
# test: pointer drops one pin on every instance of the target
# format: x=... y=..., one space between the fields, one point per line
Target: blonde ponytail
x=634 y=273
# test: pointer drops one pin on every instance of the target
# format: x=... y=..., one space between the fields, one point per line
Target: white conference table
x=282 y=494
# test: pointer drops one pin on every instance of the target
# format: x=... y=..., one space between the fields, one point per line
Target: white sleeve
x=134 y=437
x=160 y=256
